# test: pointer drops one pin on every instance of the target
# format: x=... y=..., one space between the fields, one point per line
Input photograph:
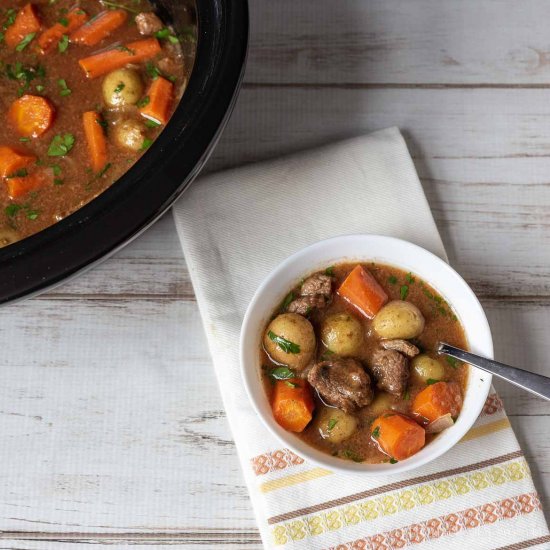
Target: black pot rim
x=151 y=186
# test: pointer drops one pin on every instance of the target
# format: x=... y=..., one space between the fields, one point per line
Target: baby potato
x=290 y=340
x=342 y=334
x=382 y=402
x=122 y=87
x=129 y=134
x=425 y=368
x=335 y=425
x=399 y=319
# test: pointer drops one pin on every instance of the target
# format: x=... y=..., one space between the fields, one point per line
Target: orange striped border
x=274 y=461
x=284 y=458
x=449 y=524
x=493 y=405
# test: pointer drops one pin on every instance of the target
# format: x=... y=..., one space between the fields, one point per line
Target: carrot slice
x=438 y=400
x=26 y=22
x=95 y=136
x=159 y=100
x=51 y=37
x=12 y=159
x=362 y=290
x=19 y=186
x=32 y=115
x=398 y=435
x=99 y=27
x=115 y=58
x=293 y=404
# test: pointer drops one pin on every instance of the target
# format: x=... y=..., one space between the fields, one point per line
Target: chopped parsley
x=61 y=145
x=286 y=302
x=151 y=123
x=281 y=373
x=147 y=142
x=167 y=34
x=103 y=123
x=286 y=345
x=331 y=423
x=410 y=278
x=64 y=90
x=404 y=291
x=392 y=279
x=439 y=304
x=125 y=49
x=452 y=361
x=25 y=42
x=376 y=432
x=21 y=173
x=431 y=381
x=63 y=44
x=144 y=101
x=352 y=455
x=102 y=172
x=24 y=75
x=291 y=384
x=120 y=87
x=12 y=209
x=393 y=461
x=152 y=71
x=329 y=271
x=11 y=14
x=117 y=6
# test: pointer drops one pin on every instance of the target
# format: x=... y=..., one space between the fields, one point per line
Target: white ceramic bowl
x=387 y=250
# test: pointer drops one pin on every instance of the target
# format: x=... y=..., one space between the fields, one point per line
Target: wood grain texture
x=227 y=539
x=438 y=123
x=125 y=444
x=420 y=42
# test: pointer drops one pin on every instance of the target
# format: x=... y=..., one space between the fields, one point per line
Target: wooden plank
x=520 y=336
x=396 y=41
x=438 y=123
x=227 y=539
x=117 y=425
x=115 y=421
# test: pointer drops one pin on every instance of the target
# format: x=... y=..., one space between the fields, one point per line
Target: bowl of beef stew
x=110 y=109
x=338 y=354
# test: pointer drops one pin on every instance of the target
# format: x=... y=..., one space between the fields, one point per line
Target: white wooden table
x=111 y=425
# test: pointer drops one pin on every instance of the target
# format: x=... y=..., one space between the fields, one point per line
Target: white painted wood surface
x=113 y=368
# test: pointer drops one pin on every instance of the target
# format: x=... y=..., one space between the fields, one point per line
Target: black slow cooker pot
x=148 y=189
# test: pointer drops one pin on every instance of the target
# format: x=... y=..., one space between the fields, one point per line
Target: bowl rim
x=250 y=373
x=146 y=191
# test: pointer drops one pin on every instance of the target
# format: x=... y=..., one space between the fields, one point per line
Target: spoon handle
x=529 y=381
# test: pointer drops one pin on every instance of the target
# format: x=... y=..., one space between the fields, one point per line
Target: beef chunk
x=317 y=284
x=391 y=370
x=316 y=292
x=402 y=346
x=342 y=383
x=305 y=304
x=148 y=23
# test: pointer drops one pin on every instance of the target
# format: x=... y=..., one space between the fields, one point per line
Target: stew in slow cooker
x=86 y=88
x=348 y=363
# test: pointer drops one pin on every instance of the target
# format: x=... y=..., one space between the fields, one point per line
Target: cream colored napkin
x=235 y=227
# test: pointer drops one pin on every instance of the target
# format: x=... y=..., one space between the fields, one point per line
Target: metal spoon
x=529 y=381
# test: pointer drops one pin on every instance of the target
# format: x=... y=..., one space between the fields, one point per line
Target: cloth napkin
x=235 y=227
